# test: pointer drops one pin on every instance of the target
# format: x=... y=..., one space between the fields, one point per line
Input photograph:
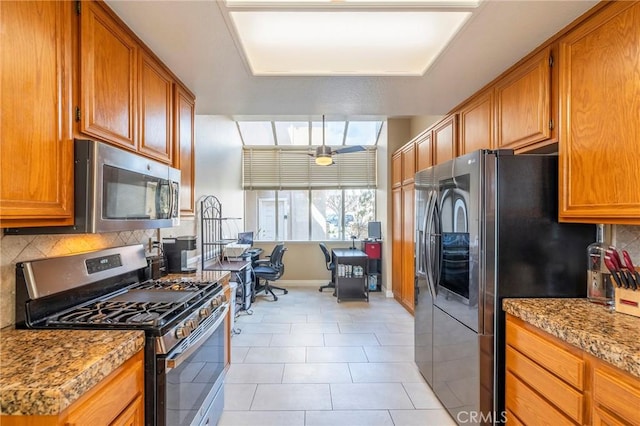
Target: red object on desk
x=373 y=249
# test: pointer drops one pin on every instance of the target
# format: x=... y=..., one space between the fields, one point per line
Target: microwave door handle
x=172 y=197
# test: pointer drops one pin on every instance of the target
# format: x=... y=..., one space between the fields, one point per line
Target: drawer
x=615 y=392
x=560 y=394
x=105 y=401
x=529 y=407
x=549 y=355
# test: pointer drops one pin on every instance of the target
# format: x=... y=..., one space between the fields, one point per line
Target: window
x=288 y=197
x=303 y=215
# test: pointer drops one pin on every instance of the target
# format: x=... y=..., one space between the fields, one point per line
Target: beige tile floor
x=306 y=360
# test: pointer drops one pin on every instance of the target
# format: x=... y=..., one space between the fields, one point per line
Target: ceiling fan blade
x=348 y=149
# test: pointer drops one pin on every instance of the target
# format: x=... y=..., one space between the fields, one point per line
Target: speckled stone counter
x=610 y=336
x=42 y=372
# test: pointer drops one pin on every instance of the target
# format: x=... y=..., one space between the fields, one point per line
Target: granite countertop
x=42 y=372
x=610 y=336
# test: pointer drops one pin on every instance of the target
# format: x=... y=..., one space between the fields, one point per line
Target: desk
x=240 y=273
x=349 y=283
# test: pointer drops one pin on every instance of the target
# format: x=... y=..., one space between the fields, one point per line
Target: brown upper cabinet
x=424 y=151
x=408 y=163
x=108 y=78
x=36 y=177
x=126 y=93
x=523 y=103
x=476 y=123
x=396 y=168
x=599 y=112
x=156 y=109
x=445 y=139
x=184 y=158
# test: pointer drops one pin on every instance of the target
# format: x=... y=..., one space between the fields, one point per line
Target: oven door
x=190 y=378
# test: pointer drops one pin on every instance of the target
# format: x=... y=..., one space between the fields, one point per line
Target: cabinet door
x=184 y=158
x=523 y=103
x=476 y=124
x=108 y=78
x=424 y=152
x=408 y=260
x=445 y=139
x=408 y=163
x=396 y=248
x=36 y=180
x=396 y=169
x=156 y=109
x=599 y=138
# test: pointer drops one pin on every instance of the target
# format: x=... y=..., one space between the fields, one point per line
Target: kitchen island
x=569 y=361
x=48 y=372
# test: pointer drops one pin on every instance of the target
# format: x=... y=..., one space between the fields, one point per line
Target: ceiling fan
x=324 y=154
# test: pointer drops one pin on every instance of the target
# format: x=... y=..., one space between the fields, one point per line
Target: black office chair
x=270 y=269
x=330 y=267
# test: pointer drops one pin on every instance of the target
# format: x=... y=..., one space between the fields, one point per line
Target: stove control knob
x=215 y=303
x=204 y=312
x=191 y=324
x=182 y=332
x=223 y=298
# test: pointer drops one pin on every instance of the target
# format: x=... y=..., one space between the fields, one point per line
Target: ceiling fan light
x=324 y=160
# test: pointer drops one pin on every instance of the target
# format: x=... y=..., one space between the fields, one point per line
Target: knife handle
x=614 y=271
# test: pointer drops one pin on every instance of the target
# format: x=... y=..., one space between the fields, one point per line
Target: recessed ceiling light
x=285 y=38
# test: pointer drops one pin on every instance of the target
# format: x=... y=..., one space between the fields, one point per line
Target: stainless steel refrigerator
x=486 y=229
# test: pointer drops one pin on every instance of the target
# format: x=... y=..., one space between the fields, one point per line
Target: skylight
x=309 y=133
x=344 y=37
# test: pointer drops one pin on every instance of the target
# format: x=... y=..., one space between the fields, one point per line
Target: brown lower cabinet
x=117 y=400
x=551 y=382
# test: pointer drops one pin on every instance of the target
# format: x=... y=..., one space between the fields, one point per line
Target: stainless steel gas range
x=183 y=321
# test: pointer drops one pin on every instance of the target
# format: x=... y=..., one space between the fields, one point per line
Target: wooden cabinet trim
x=36 y=117
x=596 y=162
x=396 y=169
x=556 y=356
x=560 y=394
x=529 y=407
x=424 y=151
x=616 y=392
x=184 y=148
x=94 y=121
x=523 y=103
x=408 y=163
x=477 y=123
x=156 y=106
x=445 y=139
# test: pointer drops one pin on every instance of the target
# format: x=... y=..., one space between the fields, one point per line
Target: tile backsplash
x=18 y=248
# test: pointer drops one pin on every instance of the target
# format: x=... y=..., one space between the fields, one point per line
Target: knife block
x=627 y=301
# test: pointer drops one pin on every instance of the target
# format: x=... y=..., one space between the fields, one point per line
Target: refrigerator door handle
x=422 y=237
x=431 y=279
x=437 y=243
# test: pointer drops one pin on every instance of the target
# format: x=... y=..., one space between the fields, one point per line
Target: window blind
x=293 y=168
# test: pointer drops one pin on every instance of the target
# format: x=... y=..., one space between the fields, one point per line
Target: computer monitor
x=375 y=231
x=245 y=238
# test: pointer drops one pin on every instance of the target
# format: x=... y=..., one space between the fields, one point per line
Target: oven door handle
x=174 y=360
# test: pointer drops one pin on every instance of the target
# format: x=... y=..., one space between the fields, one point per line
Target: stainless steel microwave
x=118 y=190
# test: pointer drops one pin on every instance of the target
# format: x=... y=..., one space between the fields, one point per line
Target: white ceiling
x=192 y=38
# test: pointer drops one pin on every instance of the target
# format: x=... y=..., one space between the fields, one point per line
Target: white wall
x=218 y=151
